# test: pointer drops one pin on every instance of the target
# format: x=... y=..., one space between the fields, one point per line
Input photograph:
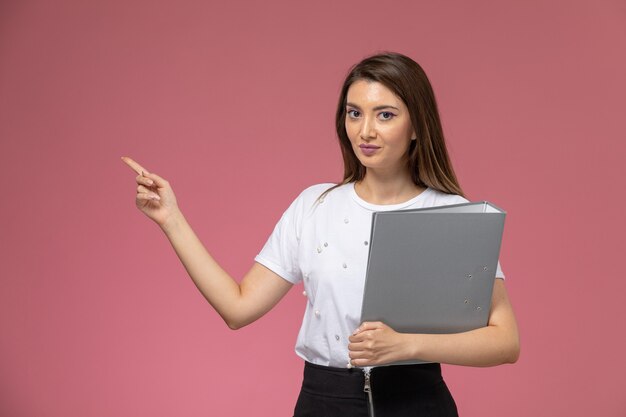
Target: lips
x=367 y=149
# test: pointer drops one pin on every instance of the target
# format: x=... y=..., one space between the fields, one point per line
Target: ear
x=413 y=135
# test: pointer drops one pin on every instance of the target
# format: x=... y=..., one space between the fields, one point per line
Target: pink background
x=233 y=102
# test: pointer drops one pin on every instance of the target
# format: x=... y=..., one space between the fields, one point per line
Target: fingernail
x=150 y=182
x=155 y=197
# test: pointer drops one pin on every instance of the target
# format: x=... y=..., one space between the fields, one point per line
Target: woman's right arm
x=238 y=304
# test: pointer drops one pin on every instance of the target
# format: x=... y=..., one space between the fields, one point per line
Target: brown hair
x=428 y=160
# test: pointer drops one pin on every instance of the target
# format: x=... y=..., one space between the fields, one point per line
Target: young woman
x=394 y=158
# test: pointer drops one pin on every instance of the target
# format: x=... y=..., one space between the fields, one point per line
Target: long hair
x=428 y=160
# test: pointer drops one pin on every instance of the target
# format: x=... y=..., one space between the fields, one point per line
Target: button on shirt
x=323 y=242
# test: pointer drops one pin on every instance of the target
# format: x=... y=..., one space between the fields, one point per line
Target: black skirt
x=403 y=390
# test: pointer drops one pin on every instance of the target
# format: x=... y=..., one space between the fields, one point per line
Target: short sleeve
x=280 y=253
x=499 y=273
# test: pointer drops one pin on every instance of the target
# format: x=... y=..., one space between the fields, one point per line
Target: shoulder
x=308 y=198
x=433 y=197
x=310 y=195
x=323 y=199
x=314 y=191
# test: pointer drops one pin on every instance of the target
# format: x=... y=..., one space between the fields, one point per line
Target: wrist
x=412 y=346
x=173 y=222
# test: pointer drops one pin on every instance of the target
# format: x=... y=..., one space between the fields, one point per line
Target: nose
x=368 y=130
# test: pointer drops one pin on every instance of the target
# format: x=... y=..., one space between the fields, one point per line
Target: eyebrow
x=385 y=106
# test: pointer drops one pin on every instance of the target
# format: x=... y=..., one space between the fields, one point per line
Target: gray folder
x=432 y=270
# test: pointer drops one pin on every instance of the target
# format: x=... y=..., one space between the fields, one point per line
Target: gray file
x=432 y=270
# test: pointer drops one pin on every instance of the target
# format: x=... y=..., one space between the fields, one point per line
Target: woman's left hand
x=375 y=343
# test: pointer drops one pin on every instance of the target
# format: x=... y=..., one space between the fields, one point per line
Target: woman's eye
x=386 y=115
x=353 y=114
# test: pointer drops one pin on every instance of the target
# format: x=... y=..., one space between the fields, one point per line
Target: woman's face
x=379 y=126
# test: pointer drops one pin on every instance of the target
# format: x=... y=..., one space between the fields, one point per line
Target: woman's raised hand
x=155 y=198
x=238 y=304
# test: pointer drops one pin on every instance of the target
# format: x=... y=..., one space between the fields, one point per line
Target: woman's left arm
x=375 y=343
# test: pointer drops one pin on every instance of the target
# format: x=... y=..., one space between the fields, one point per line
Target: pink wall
x=233 y=102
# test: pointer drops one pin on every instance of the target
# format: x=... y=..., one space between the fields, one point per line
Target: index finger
x=368 y=325
x=134 y=165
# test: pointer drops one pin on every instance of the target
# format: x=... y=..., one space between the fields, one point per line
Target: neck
x=381 y=188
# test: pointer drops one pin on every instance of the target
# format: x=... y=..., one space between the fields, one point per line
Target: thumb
x=160 y=182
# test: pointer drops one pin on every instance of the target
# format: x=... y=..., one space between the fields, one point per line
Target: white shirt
x=324 y=243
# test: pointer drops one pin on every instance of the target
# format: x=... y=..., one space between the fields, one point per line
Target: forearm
x=487 y=346
x=375 y=343
x=219 y=289
x=238 y=304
